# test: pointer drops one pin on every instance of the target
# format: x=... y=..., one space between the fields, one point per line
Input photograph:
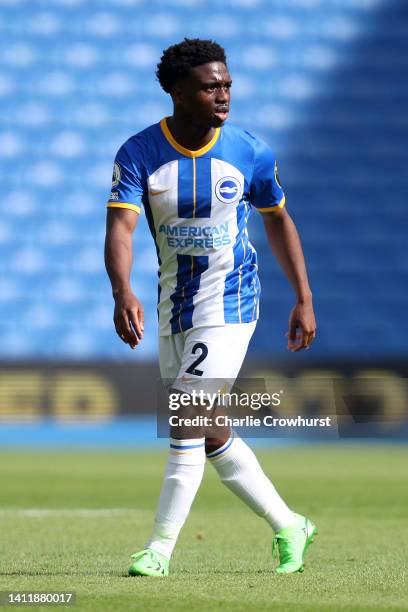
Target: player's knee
x=213 y=444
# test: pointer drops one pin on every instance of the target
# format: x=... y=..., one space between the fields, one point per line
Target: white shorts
x=204 y=357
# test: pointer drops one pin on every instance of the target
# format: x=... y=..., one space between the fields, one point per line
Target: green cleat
x=149 y=563
x=292 y=543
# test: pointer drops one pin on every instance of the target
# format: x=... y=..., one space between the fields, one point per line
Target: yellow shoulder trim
x=183 y=150
x=273 y=208
x=124 y=205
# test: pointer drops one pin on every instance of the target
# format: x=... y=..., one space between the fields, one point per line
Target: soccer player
x=198 y=180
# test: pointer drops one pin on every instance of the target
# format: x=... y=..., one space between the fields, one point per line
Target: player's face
x=204 y=96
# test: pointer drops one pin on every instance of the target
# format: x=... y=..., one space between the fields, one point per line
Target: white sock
x=183 y=476
x=240 y=471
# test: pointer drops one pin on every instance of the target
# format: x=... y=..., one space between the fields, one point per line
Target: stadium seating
x=320 y=80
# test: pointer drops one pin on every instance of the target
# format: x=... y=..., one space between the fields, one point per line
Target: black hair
x=177 y=61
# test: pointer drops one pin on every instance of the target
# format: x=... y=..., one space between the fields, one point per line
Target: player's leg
x=240 y=471
x=183 y=366
x=181 y=481
x=237 y=465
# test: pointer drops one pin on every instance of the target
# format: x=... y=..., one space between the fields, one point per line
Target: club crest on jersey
x=228 y=189
x=116 y=175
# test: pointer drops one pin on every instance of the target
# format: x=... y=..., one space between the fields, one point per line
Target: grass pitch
x=70 y=522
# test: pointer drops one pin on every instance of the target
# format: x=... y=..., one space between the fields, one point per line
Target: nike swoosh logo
x=156 y=193
x=159 y=568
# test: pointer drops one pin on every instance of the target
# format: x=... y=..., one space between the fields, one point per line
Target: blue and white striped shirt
x=197 y=204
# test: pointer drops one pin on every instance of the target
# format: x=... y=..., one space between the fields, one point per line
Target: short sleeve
x=266 y=193
x=127 y=190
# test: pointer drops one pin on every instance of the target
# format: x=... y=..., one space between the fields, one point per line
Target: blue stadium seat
x=320 y=80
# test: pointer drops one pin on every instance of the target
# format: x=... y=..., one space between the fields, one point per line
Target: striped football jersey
x=197 y=205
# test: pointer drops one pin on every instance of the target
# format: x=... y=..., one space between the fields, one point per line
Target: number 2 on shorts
x=199 y=346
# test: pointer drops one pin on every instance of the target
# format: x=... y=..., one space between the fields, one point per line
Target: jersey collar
x=183 y=150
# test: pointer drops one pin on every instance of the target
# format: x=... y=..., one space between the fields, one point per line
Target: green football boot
x=149 y=563
x=291 y=543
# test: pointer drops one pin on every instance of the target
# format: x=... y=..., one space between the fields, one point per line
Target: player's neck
x=188 y=135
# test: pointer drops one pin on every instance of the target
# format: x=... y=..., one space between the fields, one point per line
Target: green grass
x=357 y=495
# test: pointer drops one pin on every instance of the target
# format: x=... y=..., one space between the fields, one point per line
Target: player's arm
x=128 y=314
x=285 y=243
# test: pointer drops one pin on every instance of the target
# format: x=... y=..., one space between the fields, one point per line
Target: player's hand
x=302 y=327
x=129 y=318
